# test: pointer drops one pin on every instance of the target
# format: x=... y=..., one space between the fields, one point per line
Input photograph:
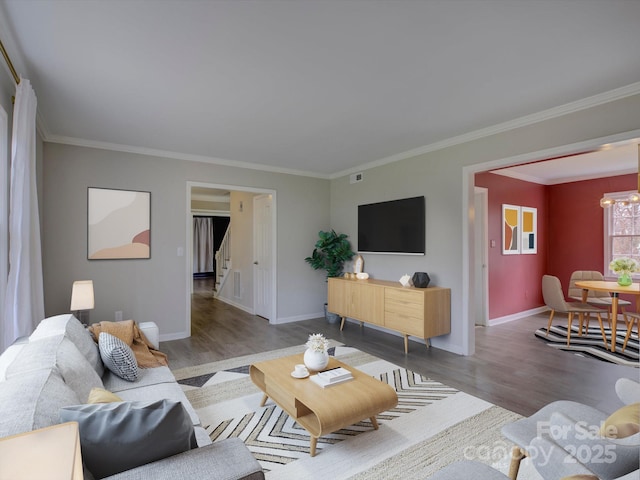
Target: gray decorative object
x=420 y=279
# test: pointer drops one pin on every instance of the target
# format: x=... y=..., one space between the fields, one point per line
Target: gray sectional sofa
x=58 y=366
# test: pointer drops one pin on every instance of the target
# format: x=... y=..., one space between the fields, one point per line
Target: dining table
x=615 y=290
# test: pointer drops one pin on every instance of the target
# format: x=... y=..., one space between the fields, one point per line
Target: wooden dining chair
x=554 y=299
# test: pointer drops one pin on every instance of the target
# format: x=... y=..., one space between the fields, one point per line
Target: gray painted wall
x=439 y=176
x=156 y=289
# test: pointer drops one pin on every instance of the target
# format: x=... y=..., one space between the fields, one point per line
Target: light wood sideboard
x=421 y=312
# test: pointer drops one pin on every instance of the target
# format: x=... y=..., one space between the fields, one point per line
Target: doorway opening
x=470 y=263
x=231 y=273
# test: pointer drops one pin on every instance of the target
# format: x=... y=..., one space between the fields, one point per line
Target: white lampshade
x=82 y=295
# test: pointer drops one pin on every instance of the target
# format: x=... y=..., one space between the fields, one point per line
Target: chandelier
x=606 y=202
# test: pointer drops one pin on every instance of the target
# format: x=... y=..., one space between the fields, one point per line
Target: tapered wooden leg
x=374 y=422
x=629 y=330
x=581 y=322
x=604 y=335
x=550 y=320
x=517 y=454
x=342 y=323
x=406 y=344
x=312 y=447
x=569 y=328
x=265 y=397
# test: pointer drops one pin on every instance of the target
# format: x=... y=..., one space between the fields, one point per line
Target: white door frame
x=468 y=184
x=481 y=226
x=189 y=246
x=271 y=286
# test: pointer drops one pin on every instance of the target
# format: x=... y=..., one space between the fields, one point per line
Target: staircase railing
x=223 y=260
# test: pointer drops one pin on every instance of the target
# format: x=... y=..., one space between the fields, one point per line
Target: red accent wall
x=514 y=280
x=570 y=236
x=576 y=225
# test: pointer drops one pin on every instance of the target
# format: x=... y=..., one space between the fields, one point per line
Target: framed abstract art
x=118 y=224
x=510 y=229
x=529 y=230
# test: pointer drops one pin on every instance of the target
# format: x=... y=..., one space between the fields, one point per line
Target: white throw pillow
x=118 y=357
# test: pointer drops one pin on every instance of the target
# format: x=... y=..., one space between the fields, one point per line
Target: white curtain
x=4 y=213
x=24 y=301
x=203 y=254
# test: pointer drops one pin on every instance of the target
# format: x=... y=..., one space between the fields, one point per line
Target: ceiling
x=615 y=159
x=312 y=87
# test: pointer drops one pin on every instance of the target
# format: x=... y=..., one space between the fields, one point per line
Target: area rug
x=432 y=426
x=590 y=343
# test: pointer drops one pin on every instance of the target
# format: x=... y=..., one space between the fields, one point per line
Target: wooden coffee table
x=322 y=410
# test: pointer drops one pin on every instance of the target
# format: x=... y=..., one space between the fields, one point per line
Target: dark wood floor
x=510 y=368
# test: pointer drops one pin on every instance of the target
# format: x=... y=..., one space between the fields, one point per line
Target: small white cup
x=300 y=370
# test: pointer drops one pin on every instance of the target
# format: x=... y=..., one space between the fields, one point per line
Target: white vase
x=316 y=361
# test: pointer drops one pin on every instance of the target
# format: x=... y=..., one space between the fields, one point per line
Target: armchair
x=567 y=426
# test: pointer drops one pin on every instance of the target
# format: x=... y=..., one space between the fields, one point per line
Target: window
x=621 y=230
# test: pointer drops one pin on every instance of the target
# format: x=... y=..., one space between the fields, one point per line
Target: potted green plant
x=330 y=252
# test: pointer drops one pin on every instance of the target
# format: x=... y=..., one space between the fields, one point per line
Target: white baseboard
x=167 y=337
x=517 y=316
x=237 y=305
x=297 y=318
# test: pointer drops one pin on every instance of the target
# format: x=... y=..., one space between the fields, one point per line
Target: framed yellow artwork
x=529 y=230
x=510 y=229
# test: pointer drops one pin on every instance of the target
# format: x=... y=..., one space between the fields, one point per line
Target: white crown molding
x=577 y=178
x=551 y=113
x=583 y=104
x=79 y=142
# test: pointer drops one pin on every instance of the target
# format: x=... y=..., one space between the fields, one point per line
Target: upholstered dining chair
x=554 y=299
x=596 y=298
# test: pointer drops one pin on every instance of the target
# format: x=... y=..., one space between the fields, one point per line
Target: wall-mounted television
x=396 y=226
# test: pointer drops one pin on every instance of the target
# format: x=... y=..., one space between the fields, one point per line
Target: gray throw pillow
x=118 y=357
x=123 y=435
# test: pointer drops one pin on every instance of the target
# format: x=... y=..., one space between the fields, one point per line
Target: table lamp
x=82 y=299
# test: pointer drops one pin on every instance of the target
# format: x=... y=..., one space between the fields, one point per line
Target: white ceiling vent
x=355 y=178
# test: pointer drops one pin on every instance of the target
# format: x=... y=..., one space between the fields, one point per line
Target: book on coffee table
x=333 y=376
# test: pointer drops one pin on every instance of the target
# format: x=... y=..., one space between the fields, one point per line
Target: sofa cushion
x=61 y=353
x=170 y=391
x=100 y=395
x=226 y=459
x=118 y=357
x=7 y=358
x=146 y=377
x=32 y=401
x=119 y=436
x=73 y=329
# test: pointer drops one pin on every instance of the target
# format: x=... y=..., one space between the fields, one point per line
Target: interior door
x=262 y=261
x=481 y=271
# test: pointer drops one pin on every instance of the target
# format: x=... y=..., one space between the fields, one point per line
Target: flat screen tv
x=396 y=226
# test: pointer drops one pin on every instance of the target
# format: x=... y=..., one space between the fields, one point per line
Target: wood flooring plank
x=511 y=368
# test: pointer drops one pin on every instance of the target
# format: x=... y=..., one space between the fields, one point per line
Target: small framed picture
x=510 y=229
x=529 y=230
